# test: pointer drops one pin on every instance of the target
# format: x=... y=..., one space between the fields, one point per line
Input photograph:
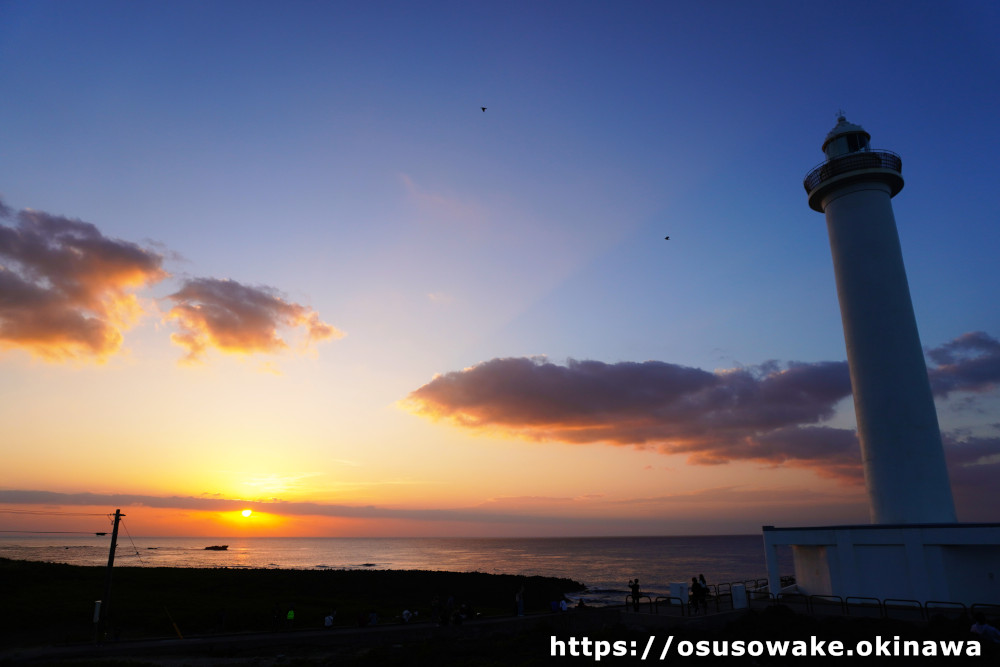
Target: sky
x=277 y=257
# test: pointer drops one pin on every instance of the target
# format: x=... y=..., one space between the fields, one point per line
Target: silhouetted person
x=276 y=617
x=634 y=585
x=448 y=615
x=698 y=595
x=982 y=628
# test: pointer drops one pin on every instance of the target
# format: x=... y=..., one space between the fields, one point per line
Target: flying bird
x=666 y=238
x=483 y=108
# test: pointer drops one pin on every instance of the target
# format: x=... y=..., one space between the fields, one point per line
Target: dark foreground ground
x=50 y=603
x=238 y=617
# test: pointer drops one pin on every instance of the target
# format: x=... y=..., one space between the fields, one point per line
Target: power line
x=134 y=548
x=69 y=532
x=49 y=513
x=53 y=513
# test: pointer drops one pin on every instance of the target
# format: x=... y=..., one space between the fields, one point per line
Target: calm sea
x=603 y=564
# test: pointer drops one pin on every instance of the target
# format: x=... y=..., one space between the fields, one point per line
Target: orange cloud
x=766 y=414
x=771 y=414
x=66 y=290
x=237 y=318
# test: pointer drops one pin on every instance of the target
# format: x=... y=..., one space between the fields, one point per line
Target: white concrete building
x=932 y=562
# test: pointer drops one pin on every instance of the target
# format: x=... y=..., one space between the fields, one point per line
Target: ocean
x=603 y=564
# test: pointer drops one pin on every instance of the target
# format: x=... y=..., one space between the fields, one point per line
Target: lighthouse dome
x=844 y=138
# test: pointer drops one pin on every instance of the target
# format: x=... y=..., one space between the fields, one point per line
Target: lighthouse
x=901 y=450
x=914 y=549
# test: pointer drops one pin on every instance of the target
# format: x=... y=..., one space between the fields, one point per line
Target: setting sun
x=246 y=513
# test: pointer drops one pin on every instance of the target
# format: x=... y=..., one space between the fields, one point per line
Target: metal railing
x=902 y=609
x=941 y=608
x=869 y=159
x=870 y=606
x=825 y=604
x=863 y=604
x=631 y=602
x=721 y=602
x=672 y=604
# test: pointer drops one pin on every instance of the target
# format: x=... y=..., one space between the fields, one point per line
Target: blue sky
x=335 y=155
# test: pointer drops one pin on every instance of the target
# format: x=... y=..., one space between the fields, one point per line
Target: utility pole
x=106 y=602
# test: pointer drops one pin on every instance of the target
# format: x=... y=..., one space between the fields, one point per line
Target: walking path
x=272 y=643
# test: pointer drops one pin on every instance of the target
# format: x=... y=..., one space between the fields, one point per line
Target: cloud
x=233 y=317
x=770 y=414
x=69 y=292
x=440 y=297
x=66 y=290
x=442 y=207
x=214 y=503
x=765 y=414
x=720 y=510
x=974 y=467
x=971 y=362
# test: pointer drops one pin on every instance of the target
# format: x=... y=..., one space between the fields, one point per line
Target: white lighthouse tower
x=914 y=549
x=897 y=423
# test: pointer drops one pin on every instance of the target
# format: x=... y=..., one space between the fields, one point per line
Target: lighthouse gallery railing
x=861 y=160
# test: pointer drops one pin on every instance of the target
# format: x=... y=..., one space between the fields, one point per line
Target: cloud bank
x=20 y=497
x=726 y=509
x=770 y=414
x=66 y=290
x=232 y=317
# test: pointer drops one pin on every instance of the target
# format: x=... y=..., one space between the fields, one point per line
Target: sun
x=246 y=513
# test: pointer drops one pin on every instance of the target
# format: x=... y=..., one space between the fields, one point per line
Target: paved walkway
x=237 y=647
x=272 y=643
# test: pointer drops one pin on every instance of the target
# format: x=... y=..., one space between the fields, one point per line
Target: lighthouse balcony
x=866 y=164
x=852 y=162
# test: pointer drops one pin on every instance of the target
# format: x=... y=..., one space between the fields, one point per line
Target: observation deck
x=877 y=165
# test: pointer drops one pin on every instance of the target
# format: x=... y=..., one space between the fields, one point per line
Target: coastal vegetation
x=52 y=603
